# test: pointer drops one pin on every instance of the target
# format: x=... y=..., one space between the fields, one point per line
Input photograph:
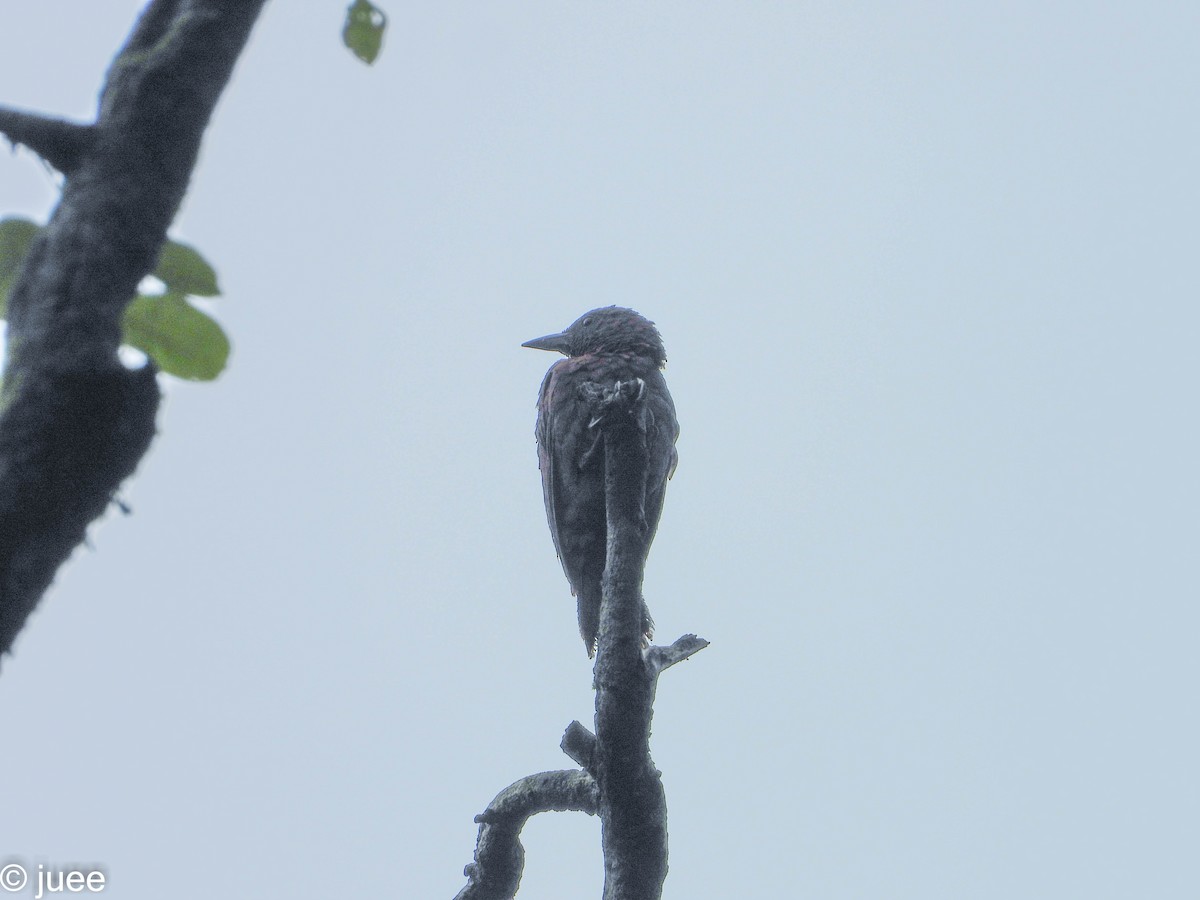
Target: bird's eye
x=587 y=321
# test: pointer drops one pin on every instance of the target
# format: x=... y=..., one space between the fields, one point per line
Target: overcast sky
x=927 y=277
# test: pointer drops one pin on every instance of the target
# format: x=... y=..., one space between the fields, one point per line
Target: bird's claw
x=602 y=398
x=625 y=388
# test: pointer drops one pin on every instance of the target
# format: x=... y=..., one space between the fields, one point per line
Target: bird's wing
x=662 y=430
x=544 y=432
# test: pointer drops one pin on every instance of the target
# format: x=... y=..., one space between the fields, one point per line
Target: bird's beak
x=560 y=342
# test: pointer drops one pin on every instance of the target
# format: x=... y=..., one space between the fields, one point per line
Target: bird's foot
x=634 y=390
x=604 y=399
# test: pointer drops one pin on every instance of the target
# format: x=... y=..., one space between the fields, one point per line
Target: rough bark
x=74 y=422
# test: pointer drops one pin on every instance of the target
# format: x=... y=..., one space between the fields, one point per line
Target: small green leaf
x=363 y=31
x=15 y=237
x=184 y=271
x=181 y=339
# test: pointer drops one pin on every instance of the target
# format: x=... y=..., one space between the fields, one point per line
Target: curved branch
x=499 y=857
x=74 y=423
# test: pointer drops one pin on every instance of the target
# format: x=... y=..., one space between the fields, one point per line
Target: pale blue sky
x=927 y=279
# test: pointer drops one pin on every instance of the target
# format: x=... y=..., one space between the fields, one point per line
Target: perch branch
x=633 y=809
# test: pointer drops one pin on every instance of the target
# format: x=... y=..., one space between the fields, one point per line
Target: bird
x=604 y=346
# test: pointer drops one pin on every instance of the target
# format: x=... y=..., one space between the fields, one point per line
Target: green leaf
x=184 y=271
x=181 y=339
x=363 y=31
x=15 y=237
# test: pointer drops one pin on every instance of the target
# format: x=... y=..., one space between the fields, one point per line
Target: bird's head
x=610 y=329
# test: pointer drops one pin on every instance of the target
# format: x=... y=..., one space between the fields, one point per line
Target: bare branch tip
x=60 y=143
x=660 y=658
x=579 y=744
